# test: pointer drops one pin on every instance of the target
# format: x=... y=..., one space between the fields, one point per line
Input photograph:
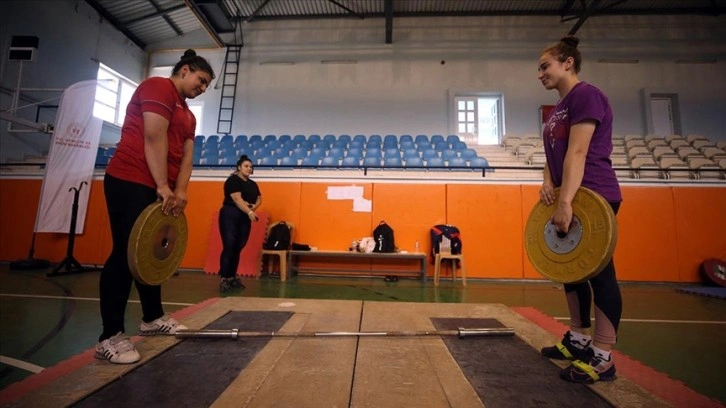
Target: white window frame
x=455 y=95
x=115 y=86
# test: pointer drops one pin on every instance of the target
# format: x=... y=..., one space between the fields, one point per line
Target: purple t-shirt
x=583 y=102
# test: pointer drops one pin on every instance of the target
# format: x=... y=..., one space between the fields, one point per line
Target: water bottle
x=416 y=247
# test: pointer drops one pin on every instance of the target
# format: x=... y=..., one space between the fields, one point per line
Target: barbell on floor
x=235 y=333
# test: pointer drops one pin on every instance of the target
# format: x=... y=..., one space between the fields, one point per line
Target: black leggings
x=125 y=201
x=234 y=227
x=608 y=302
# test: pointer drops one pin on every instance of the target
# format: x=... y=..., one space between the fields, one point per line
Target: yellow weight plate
x=156 y=245
x=584 y=251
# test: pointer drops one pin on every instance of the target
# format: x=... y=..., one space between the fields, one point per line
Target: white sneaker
x=163 y=325
x=117 y=349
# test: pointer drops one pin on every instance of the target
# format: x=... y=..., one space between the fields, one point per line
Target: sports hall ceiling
x=151 y=21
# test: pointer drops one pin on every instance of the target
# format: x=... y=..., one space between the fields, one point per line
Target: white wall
x=72 y=40
x=403 y=87
x=393 y=88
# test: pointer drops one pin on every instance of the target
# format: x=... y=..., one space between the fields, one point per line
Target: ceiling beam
x=159 y=12
x=586 y=13
x=254 y=13
x=117 y=24
x=200 y=16
x=167 y=19
x=347 y=9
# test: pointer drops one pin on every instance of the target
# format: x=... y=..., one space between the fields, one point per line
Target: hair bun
x=570 y=40
x=189 y=54
x=244 y=157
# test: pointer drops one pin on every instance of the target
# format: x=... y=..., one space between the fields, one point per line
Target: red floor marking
x=657 y=383
x=35 y=381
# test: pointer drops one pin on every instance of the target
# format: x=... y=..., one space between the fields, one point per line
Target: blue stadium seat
x=110 y=151
x=414 y=163
x=408 y=144
x=330 y=161
x=351 y=162
x=429 y=154
x=441 y=146
x=212 y=138
x=336 y=152
x=373 y=152
x=372 y=162
x=356 y=144
x=436 y=138
x=255 y=138
x=269 y=138
x=390 y=141
x=344 y=138
x=410 y=153
x=479 y=162
x=298 y=138
x=452 y=139
x=299 y=152
x=329 y=138
x=459 y=146
x=393 y=162
x=435 y=162
x=311 y=160
x=354 y=152
x=359 y=138
x=392 y=152
x=449 y=154
x=421 y=139
x=457 y=162
x=468 y=154
x=268 y=161
x=226 y=139
x=228 y=160
x=373 y=144
x=405 y=138
x=421 y=146
x=340 y=143
x=319 y=152
x=288 y=161
x=198 y=140
x=314 y=138
x=284 y=138
x=375 y=138
x=323 y=143
x=101 y=158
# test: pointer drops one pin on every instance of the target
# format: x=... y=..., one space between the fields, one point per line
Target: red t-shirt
x=157 y=95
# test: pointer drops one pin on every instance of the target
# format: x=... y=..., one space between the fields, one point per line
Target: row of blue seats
x=356 y=163
x=337 y=152
x=215 y=139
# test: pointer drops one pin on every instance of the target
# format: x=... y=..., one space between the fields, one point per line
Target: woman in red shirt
x=153 y=161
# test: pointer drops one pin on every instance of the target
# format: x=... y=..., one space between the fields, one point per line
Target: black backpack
x=448 y=231
x=383 y=235
x=279 y=238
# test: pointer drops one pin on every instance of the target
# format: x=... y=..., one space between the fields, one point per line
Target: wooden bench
x=343 y=256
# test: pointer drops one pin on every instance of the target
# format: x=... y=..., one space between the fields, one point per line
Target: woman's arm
x=185 y=173
x=573 y=172
x=156 y=148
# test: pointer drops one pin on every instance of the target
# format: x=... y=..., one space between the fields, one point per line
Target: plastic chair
x=281 y=254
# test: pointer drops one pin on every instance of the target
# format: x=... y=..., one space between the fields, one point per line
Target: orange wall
x=665 y=232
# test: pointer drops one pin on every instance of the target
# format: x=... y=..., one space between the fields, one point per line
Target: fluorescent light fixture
x=277 y=63
x=619 y=61
x=696 y=61
x=338 y=62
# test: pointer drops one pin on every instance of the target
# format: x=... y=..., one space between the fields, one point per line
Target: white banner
x=71 y=160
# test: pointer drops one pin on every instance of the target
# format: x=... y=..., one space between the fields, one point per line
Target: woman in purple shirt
x=578 y=142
